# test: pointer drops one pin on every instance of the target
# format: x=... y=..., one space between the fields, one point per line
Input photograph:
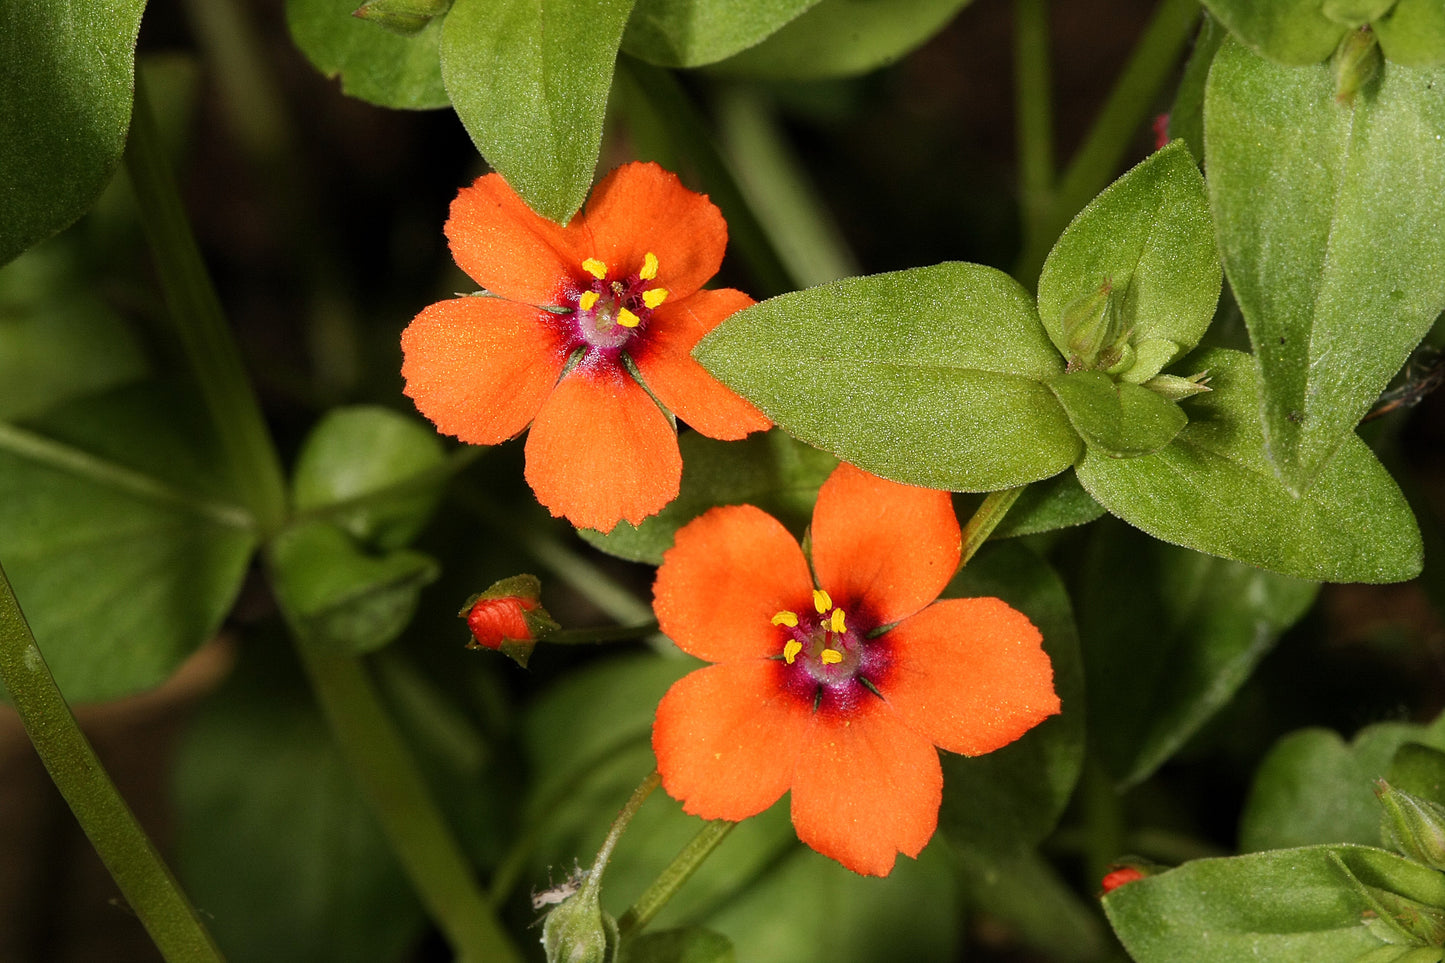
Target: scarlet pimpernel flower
x=577 y=315
x=837 y=691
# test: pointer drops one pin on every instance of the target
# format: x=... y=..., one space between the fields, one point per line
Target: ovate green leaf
x=1289 y=31
x=1117 y=419
x=374 y=64
x=1058 y=502
x=690 y=33
x=1328 y=220
x=930 y=376
x=1213 y=490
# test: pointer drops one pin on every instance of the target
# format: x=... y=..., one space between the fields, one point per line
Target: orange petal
x=683 y=385
x=509 y=249
x=729 y=571
x=480 y=367
x=970 y=674
x=640 y=208
x=866 y=788
x=601 y=450
x=726 y=738
x=882 y=548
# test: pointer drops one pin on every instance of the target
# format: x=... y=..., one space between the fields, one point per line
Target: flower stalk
x=670 y=880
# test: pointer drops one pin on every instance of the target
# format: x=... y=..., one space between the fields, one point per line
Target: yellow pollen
x=791 y=650
x=649 y=267
x=652 y=298
x=588 y=301
x=838 y=621
x=821 y=601
x=627 y=319
x=595 y=268
x=787 y=618
x=832 y=656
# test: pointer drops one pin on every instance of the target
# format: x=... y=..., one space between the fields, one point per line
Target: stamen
x=654 y=296
x=649 y=268
x=837 y=622
x=830 y=656
x=627 y=319
x=821 y=601
x=595 y=268
x=790 y=619
x=588 y=300
x=791 y=650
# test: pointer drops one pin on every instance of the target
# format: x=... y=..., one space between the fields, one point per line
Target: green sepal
x=1122 y=420
x=404 y=17
x=1412 y=826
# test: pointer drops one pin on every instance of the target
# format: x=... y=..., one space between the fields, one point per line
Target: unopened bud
x=1357 y=59
x=1176 y=388
x=508 y=617
x=404 y=17
x=1130 y=869
x=1398 y=916
x=579 y=931
x=1415 y=826
x=1091 y=324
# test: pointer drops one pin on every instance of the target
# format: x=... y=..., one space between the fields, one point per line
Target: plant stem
x=143 y=877
x=619 y=825
x=995 y=506
x=1097 y=159
x=1034 y=107
x=396 y=789
x=600 y=634
x=655 y=897
x=200 y=325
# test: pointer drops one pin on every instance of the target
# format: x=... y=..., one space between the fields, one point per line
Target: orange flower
x=613 y=296
x=838 y=692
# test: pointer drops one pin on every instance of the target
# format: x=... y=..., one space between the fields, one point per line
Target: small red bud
x=494 y=621
x=1161 y=131
x=1116 y=878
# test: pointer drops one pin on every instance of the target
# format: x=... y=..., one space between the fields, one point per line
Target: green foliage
x=1328 y=224
x=1058 y=502
x=690 y=33
x=66 y=71
x=1121 y=420
x=374 y=64
x=1412 y=33
x=689 y=944
x=1289 y=31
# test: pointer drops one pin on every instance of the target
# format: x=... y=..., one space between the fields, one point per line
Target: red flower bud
x=1161 y=131
x=1115 y=878
x=494 y=621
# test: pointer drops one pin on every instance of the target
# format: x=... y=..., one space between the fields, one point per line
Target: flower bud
x=579 y=931
x=404 y=17
x=508 y=618
x=1356 y=61
x=1130 y=869
x=1175 y=388
x=1091 y=330
x=1415 y=826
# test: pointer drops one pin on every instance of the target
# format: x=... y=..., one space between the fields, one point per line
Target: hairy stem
x=985 y=519
x=670 y=880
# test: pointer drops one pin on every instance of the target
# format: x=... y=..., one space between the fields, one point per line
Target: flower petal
x=680 y=383
x=970 y=674
x=729 y=571
x=640 y=208
x=866 y=787
x=479 y=367
x=726 y=738
x=508 y=248
x=883 y=548
x=601 y=450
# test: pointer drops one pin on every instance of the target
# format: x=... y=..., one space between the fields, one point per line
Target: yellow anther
x=790 y=619
x=595 y=268
x=627 y=319
x=791 y=650
x=588 y=300
x=649 y=267
x=837 y=622
x=832 y=656
x=654 y=296
x=821 y=601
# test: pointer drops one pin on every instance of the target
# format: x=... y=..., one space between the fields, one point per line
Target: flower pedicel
x=837 y=691
x=577 y=315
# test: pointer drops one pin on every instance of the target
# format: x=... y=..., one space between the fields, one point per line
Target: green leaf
x=1186 y=116
x=1122 y=420
x=1420 y=771
x=1169 y=636
x=1026 y=892
x=374 y=64
x=1148 y=235
x=688 y=944
x=1313 y=788
x=386 y=464
x=529 y=81
x=1058 y=502
x=1413 y=33
x=1006 y=801
x=1282 y=906
x=929 y=376
x=690 y=33
x=1289 y=31
x=275 y=842
x=68 y=71
x=341 y=596
x=771 y=471
x=1212 y=490
x=124 y=546
x=1328 y=220
x=839 y=38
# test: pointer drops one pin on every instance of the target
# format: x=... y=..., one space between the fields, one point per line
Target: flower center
x=829 y=658
x=613 y=308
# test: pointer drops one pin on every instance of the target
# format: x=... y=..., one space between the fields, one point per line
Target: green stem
x=1034 y=107
x=1149 y=66
x=1103 y=816
x=393 y=783
x=123 y=846
x=655 y=897
x=200 y=325
x=605 y=633
x=986 y=519
x=619 y=825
